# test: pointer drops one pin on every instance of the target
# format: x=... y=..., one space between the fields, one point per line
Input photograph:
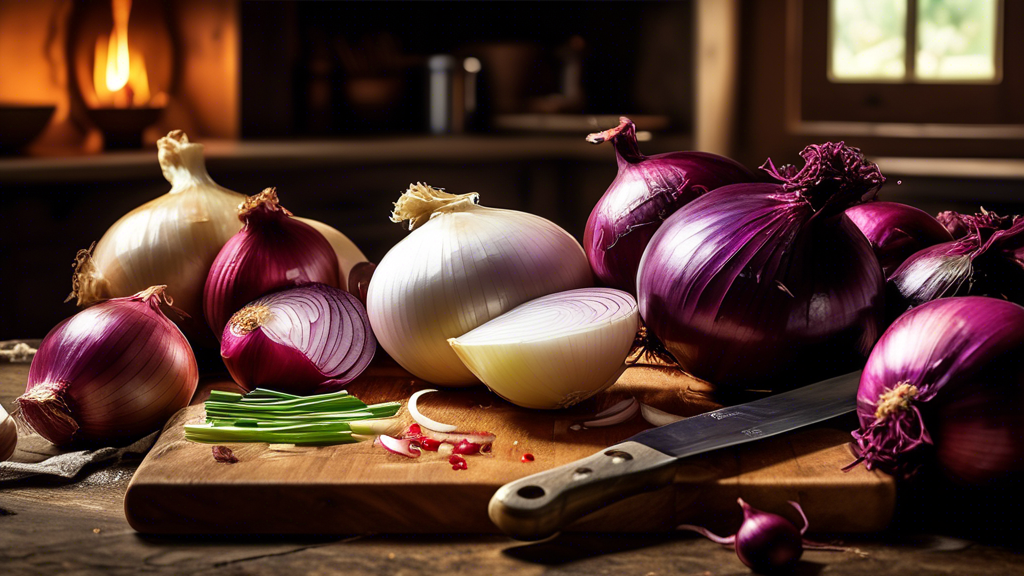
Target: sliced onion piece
x=400 y=446
x=555 y=351
x=424 y=421
x=658 y=417
x=616 y=408
x=614 y=419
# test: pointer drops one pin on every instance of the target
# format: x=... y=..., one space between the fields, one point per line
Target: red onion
x=304 y=340
x=769 y=284
x=115 y=371
x=987 y=261
x=946 y=381
x=766 y=542
x=272 y=251
x=646 y=191
x=896 y=231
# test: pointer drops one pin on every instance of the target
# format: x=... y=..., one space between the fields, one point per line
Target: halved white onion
x=554 y=351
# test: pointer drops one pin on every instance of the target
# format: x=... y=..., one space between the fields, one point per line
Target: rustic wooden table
x=78 y=527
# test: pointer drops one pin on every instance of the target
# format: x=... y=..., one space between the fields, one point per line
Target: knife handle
x=539 y=505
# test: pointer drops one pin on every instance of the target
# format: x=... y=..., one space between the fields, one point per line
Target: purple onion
x=272 y=251
x=896 y=231
x=987 y=261
x=304 y=340
x=112 y=373
x=646 y=191
x=769 y=284
x=945 y=383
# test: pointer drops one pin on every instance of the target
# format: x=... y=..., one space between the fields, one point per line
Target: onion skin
x=191 y=223
x=945 y=385
x=896 y=231
x=462 y=265
x=646 y=191
x=114 y=372
x=273 y=251
x=987 y=261
x=306 y=340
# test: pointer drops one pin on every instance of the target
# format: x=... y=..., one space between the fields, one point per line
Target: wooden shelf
x=253 y=155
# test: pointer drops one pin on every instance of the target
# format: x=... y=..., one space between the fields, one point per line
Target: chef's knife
x=537 y=506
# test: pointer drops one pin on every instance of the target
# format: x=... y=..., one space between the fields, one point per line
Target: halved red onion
x=305 y=340
x=115 y=371
x=272 y=251
x=555 y=351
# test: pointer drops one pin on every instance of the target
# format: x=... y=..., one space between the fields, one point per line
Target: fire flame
x=119 y=75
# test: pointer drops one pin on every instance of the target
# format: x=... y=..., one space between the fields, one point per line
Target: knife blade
x=537 y=506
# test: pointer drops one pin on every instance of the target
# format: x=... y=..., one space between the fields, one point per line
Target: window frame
x=817 y=105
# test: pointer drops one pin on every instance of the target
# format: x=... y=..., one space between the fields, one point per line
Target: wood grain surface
x=79 y=527
x=180 y=488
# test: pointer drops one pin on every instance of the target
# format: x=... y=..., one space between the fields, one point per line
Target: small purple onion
x=305 y=340
x=114 y=372
x=769 y=285
x=766 y=542
x=946 y=382
x=646 y=191
x=272 y=251
x=896 y=231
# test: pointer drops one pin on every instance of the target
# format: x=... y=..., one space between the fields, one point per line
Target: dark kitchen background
x=341 y=105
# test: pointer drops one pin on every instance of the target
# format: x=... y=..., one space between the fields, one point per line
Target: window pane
x=956 y=39
x=868 y=39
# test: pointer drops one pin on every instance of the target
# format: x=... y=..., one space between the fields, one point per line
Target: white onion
x=462 y=265
x=658 y=417
x=171 y=240
x=554 y=351
x=8 y=435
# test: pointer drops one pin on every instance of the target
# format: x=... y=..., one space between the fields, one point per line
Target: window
x=914 y=40
x=896 y=64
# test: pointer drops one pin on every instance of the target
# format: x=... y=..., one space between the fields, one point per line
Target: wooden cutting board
x=360 y=488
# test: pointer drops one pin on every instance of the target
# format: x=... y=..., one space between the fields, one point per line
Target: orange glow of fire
x=119 y=74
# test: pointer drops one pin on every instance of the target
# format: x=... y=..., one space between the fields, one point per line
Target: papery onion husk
x=462 y=265
x=349 y=255
x=945 y=385
x=305 y=340
x=114 y=372
x=896 y=231
x=273 y=251
x=171 y=240
x=960 y=225
x=646 y=191
x=987 y=261
x=555 y=351
x=769 y=285
x=8 y=435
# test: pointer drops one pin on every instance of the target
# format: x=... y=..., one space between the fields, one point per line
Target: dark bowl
x=20 y=125
x=122 y=127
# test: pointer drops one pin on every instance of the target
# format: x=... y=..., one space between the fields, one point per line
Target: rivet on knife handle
x=538 y=506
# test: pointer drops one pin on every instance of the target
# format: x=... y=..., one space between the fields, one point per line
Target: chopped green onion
x=279 y=418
